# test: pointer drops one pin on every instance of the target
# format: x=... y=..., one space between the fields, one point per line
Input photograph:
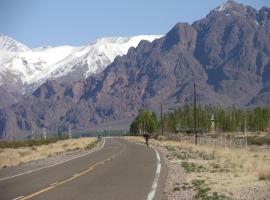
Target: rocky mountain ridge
x=22 y=69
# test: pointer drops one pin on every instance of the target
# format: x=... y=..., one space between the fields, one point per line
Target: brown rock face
x=77 y=90
x=227 y=54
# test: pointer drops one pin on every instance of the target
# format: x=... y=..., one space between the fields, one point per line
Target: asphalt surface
x=119 y=171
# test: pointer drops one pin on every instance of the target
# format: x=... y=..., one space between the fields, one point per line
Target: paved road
x=119 y=171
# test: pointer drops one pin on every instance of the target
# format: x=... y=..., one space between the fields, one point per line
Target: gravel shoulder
x=213 y=173
x=175 y=178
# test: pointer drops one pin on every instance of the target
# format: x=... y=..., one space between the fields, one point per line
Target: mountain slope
x=9 y=44
x=90 y=59
x=22 y=70
x=234 y=47
x=227 y=55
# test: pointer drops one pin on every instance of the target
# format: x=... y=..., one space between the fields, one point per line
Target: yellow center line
x=91 y=168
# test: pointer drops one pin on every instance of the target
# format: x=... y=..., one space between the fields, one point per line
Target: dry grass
x=11 y=157
x=232 y=172
x=264 y=174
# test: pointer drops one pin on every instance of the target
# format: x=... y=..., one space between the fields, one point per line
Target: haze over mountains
x=227 y=54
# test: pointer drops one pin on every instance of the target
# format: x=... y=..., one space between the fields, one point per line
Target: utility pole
x=161 y=119
x=32 y=132
x=246 y=133
x=44 y=133
x=164 y=124
x=69 y=131
x=5 y=134
x=195 y=115
x=23 y=125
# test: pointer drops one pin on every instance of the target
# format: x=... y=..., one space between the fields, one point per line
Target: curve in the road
x=91 y=168
x=58 y=163
x=133 y=175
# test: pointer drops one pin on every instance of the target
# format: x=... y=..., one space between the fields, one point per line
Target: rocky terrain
x=227 y=55
x=23 y=70
x=212 y=171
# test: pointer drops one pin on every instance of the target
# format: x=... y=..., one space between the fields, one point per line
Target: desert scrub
x=176 y=187
x=15 y=156
x=202 y=191
x=233 y=172
x=28 y=143
x=264 y=175
x=186 y=186
x=192 y=167
x=224 y=167
x=170 y=148
x=206 y=156
x=92 y=144
x=189 y=153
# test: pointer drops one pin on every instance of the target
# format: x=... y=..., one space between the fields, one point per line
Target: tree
x=145 y=122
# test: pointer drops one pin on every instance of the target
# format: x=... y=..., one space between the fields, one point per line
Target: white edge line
x=152 y=193
x=20 y=197
x=27 y=172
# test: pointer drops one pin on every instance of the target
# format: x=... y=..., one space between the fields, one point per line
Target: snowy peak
x=9 y=44
x=231 y=6
x=29 y=68
x=103 y=52
x=90 y=59
x=31 y=64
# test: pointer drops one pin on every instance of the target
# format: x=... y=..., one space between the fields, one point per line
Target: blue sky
x=78 y=22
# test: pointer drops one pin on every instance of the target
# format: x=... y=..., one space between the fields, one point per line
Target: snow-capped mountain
x=9 y=44
x=28 y=66
x=90 y=59
x=22 y=69
x=10 y=48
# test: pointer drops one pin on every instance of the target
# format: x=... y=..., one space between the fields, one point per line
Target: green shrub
x=192 y=167
x=202 y=191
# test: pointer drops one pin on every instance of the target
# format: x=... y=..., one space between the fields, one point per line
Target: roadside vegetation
x=182 y=119
x=146 y=121
x=215 y=172
x=92 y=144
x=29 y=143
x=20 y=152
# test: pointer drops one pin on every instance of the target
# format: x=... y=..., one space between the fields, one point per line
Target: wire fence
x=225 y=141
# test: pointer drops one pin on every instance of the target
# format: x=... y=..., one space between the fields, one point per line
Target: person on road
x=146 y=138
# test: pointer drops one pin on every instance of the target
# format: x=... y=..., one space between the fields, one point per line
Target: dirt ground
x=211 y=172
